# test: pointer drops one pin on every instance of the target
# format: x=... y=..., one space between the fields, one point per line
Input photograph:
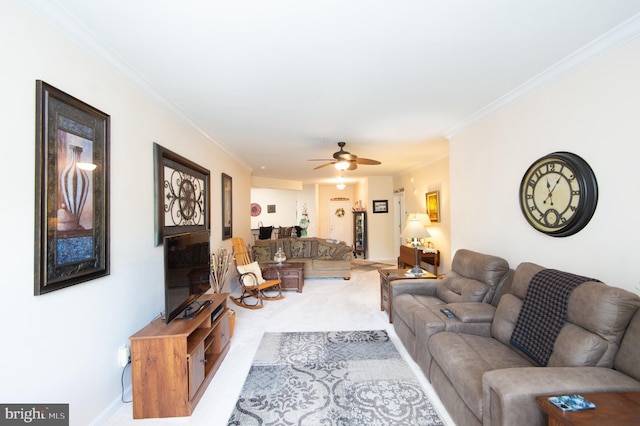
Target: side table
x=408 y=258
x=387 y=276
x=291 y=274
x=612 y=408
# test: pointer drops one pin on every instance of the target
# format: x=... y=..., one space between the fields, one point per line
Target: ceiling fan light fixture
x=342 y=165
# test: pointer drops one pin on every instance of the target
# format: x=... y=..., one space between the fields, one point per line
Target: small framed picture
x=381 y=206
x=433 y=206
x=227 y=207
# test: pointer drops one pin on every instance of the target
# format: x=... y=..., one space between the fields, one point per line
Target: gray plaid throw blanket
x=544 y=312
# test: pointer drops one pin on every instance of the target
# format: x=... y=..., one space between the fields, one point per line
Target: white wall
x=595 y=113
x=433 y=176
x=380 y=235
x=285 y=202
x=62 y=347
x=307 y=198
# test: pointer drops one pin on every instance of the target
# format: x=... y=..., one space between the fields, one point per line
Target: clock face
x=558 y=194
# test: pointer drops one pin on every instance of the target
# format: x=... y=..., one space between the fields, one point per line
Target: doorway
x=398 y=219
x=341 y=221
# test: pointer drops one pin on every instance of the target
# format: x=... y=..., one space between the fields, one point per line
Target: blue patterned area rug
x=331 y=378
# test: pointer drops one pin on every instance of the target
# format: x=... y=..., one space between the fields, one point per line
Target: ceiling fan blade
x=367 y=161
x=320 y=159
x=345 y=156
x=323 y=165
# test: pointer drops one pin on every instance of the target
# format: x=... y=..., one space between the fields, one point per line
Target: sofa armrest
x=472 y=311
x=509 y=394
x=424 y=287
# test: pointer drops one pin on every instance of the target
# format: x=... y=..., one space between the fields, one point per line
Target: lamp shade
x=415 y=229
x=423 y=217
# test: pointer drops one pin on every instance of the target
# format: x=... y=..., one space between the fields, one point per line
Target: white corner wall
x=595 y=113
x=381 y=225
x=62 y=347
x=416 y=183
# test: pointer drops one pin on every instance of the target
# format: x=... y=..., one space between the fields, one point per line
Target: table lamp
x=416 y=230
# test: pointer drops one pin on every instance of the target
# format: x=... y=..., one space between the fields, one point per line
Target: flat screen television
x=186 y=273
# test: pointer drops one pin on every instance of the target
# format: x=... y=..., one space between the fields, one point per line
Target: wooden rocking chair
x=252 y=284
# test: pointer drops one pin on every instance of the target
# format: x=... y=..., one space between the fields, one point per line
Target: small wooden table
x=611 y=409
x=408 y=258
x=389 y=275
x=291 y=274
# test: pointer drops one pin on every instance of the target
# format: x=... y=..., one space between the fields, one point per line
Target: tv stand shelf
x=172 y=364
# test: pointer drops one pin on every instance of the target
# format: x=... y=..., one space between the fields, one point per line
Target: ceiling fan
x=344 y=160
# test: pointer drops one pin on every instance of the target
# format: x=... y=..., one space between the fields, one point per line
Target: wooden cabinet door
x=196 y=370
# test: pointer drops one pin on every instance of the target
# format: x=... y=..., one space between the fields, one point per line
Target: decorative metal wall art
x=181 y=193
x=72 y=191
x=227 y=207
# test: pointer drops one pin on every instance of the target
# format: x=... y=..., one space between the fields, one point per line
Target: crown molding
x=599 y=47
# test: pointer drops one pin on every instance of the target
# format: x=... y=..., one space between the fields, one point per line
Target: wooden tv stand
x=172 y=364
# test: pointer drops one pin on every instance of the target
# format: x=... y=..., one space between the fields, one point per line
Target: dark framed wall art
x=433 y=206
x=227 y=207
x=181 y=194
x=381 y=206
x=72 y=191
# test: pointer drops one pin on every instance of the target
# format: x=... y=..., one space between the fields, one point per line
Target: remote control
x=448 y=313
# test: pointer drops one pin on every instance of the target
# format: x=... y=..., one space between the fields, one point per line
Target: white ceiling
x=279 y=82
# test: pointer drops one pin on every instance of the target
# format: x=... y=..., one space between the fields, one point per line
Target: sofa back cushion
x=627 y=357
x=597 y=316
x=261 y=251
x=301 y=248
x=474 y=277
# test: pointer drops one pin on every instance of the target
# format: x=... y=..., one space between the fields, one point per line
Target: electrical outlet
x=124 y=356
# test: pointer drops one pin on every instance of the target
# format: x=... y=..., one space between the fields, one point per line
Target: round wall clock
x=559 y=194
x=255 y=209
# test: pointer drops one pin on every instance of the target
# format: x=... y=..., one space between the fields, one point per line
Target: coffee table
x=387 y=276
x=291 y=274
x=612 y=408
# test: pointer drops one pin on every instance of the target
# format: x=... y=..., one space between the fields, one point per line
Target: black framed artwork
x=381 y=206
x=227 y=207
x=181 y=194
x=71 y=191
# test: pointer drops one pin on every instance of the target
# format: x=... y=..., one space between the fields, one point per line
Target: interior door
x=341 y=226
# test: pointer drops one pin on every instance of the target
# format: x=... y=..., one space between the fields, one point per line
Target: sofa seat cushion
x=406 y=305
x=464 y=358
